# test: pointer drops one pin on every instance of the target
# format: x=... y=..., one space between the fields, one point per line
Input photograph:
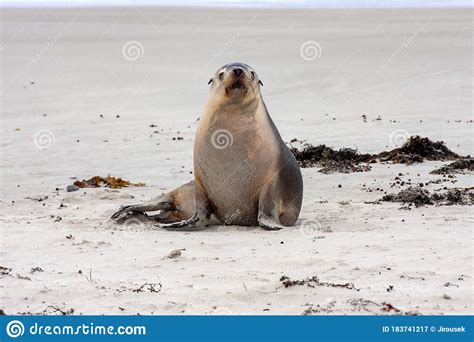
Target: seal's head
x=236 y=82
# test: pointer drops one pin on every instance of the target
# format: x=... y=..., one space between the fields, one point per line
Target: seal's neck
x=235 y=108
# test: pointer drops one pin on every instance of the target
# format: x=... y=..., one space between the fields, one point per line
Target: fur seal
x=244 y=174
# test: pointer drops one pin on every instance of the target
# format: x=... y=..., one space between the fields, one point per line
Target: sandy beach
x=99 y=91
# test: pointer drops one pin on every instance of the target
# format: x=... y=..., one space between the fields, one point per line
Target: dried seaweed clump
x=418 y=196
x=108 y=182
x=462 y=166
x=416 y=149
x=344 y=160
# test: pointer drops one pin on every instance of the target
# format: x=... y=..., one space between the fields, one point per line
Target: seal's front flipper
x=268 y=223
x=270 y=206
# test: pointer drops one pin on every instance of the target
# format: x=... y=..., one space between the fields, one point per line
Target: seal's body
x=244 y=173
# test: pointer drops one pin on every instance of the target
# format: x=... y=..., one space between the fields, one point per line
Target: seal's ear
x=261 y=83
x=210 y=81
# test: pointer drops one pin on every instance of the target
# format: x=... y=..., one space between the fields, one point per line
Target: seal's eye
x=253 y=74
x=221 y=75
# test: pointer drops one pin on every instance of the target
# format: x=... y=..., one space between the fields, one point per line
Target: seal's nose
x=238 y=72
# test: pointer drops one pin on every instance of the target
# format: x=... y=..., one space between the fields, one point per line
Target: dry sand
x=64 y=68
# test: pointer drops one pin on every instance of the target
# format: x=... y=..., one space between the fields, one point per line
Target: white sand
x=412 y=66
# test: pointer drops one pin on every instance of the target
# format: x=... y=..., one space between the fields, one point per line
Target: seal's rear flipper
x=141 y=208
x=191 y=224
x=174 y=206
